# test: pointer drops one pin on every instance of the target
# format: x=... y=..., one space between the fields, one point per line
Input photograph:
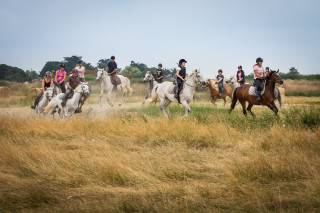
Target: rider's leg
x=63 y=87
x=257 y=83
x=65 y=98
x=36 y=101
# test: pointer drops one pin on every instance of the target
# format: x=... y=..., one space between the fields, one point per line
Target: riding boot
x=64 y=101
x=259 y=96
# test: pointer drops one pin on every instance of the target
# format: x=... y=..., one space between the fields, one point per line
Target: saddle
x=223 y=89
x=61 y=97
x=115 y=80
x=253 y=89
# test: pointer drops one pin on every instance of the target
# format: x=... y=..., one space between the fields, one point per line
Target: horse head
x=233 y=79
x=99 y=74
x=148 y=76
x=274 y=76
x=198 y=77
x=207 y=84
x=49 y=93
x=85 y=88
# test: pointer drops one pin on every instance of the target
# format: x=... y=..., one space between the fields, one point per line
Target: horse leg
x=243 y=104
x=162 y=105
x=186 y=105
x=123 y=93
x=273 y=107
x=224 y=99
x=249 y=109
x=101 y=94
x=166 y=106
x=108 y=99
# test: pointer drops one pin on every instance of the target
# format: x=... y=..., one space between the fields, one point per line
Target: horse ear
x=277 y=70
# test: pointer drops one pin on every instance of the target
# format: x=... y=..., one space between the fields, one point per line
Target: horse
x=107 y=86
x=242 y=94
x=72 y=103
x=277 y=94
x=165 y=91
x=214 y=91
x=152 y=83
x=46 y=98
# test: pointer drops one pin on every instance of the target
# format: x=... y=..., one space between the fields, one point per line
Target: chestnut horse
x=214 y=91
x=242 y=94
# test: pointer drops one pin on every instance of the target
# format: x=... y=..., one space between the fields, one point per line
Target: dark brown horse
x=242 y=94
x=214 y=91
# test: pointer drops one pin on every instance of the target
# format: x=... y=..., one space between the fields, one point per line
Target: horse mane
x=78 y=88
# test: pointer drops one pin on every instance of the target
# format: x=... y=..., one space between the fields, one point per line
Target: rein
x=192 y=85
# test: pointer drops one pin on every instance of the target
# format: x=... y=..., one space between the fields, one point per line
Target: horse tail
x=128 y=86
x=49 y=107
x=234 y=99
x=154 y=94
x=279 y=97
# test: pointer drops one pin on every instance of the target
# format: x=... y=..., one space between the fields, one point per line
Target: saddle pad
x=252 y=90
x=115 y=80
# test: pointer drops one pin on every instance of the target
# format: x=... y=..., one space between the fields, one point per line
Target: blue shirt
x=112 y=67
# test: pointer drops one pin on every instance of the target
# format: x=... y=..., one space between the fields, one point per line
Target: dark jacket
x=242 y=76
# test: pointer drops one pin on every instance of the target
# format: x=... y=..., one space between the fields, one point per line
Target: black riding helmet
x=182 y=60
x=267 y=68
x=239 y=66
x=80 y=62
x=62 y=65
x=220 y=70
x=112 y=57
x=259 y=60
x=159 y=65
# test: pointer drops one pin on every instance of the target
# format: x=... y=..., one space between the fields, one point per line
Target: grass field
x=131 y=159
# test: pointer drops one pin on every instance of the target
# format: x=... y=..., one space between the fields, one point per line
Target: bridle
x=198 y=78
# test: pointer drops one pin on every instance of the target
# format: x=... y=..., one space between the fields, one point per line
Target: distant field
x=132 y=159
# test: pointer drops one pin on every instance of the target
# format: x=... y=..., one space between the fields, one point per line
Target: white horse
x=46 y=98
x=153 y=82
x=234 y=81
x=72 y=103
x=165 y=91
x=107 y=86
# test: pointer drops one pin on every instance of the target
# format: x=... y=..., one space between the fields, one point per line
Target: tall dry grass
x=136 y=163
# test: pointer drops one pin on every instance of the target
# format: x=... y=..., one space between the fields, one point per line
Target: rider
x=160 y=73
x=112 y=72
x=181 y=77
x=259 y=75
x=80 y=70
x=267 y=70
x=220 y=79
x=46 y=83
x=240 y=75
x=72 y=83
x=61 y=77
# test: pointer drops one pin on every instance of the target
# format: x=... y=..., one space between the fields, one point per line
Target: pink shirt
x=239 y=75
x=259 y=69
x=60 y=75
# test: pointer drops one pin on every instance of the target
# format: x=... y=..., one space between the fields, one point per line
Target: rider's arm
x=179 y=75
x=43 y=85
x=64 y=77
x=83 y=72
x=55 y=78
x=264 y=74
x=51 y=83
x=115 y=70
x=68 y=85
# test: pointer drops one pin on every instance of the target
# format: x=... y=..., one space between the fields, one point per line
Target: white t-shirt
x=259 y=69
x=80 y=71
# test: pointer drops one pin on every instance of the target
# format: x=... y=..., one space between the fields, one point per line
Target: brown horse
x=242 y=94
x=214 y=91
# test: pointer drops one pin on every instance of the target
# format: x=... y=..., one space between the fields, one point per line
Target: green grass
x=303 y=93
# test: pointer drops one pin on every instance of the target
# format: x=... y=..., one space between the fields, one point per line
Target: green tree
x=9 y=73
x=102 y=63
x=134 y=71
x=50 y=66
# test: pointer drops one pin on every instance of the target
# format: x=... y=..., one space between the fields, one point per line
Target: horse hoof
x=119 y=104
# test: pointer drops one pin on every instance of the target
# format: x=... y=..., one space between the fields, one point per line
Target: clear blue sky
x=208 y=34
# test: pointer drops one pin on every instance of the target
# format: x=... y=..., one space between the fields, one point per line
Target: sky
x=209 y=34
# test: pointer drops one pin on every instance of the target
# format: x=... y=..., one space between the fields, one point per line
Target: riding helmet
x=220 y=70
x=112 y=57
x=182 y=60
x=239 y=66
x=48 y=73
x=62 y=65
x=267 y=68
x=159 y=65
x=74 y=70
x=259 y=60
x=80 y=62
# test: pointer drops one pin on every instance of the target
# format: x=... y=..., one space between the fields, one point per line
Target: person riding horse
x=181 y=78
x=61 y=77
x=112 y=72
x=81 y=70
x=240 y=75
x=72 y=83
x=259 y=77
x=46 y=83
x=220 y=79
x=160 y=73
x=267 y=71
